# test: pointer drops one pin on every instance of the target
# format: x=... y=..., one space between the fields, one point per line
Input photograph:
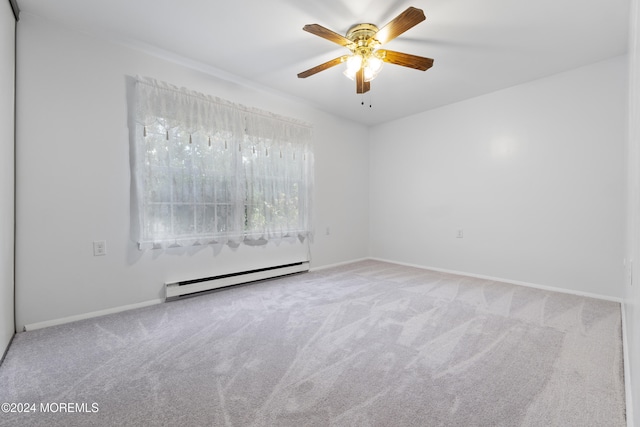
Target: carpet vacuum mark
x=365 y=344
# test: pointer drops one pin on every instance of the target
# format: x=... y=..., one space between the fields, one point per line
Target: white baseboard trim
x=54 y=322
x=512 y=282
x=6 y=349
x=61 y=321
x=338 y=264
x=627 y=371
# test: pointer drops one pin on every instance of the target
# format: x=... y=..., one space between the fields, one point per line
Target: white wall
x=73 y=179
x=534 y=175
x=632 y=286
x=7 y=67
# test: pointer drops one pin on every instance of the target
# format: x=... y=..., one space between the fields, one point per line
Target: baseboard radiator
x=176 y=290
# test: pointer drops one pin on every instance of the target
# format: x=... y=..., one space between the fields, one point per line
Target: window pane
x=183 y=220
x=206 y=220
x=158 y=186
x=182 y=186
x=158 y=220
x=225 y=215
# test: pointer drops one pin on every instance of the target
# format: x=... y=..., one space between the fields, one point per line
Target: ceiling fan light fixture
x=375 y=64
x=369 y=74
x=350 y=75
x=371 y=66
x=354 y=63
x=364 y=41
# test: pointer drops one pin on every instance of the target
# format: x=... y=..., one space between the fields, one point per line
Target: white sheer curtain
x=206 y=170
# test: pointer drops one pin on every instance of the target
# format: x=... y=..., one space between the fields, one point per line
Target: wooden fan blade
x=405 y=59
x=326 y=33
x=361 y=85
x=322 y=67
x=401 y=23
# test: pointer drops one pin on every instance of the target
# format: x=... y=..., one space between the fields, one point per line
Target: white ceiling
x=479 y=46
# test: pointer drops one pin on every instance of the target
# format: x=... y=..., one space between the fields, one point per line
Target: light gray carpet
x=366 y=344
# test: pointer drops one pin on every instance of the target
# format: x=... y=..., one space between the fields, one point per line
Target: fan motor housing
x=360 y=33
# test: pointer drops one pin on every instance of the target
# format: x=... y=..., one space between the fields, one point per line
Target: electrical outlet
x=99 y=248
x=459 y=233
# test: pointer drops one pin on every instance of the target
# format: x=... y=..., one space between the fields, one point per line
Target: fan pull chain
x=209 y=141
x=167 y=134
x=190 y=140
x=144 y=131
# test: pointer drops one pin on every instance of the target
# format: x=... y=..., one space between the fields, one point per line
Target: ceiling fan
x=364 y=41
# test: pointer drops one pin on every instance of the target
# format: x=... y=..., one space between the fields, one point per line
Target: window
x=208 y=171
